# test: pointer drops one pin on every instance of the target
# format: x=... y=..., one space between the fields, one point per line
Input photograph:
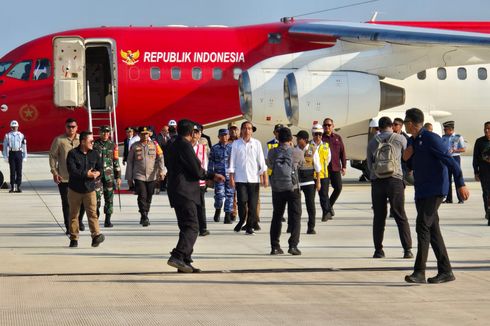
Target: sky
x=25 y=20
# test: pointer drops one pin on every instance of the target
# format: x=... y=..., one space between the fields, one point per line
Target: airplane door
x=69 y=71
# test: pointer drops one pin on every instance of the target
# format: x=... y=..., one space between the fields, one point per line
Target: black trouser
x=485 y=187
x=144 y=189
x=247 y=199
x=15 y=164
x=279 y=201
x=188 y=230
x=428 y=231
x=394 y=190
x=336 y=180
x=201 y=212
x=309 y=192
x=323 y=193
x=163 y=183
x=449 y=196
x=63 y=189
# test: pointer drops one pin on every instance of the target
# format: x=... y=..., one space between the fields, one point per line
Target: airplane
x=295 y=72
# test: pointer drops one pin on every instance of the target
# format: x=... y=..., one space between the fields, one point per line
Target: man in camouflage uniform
x=111 y=173
x=219 y=161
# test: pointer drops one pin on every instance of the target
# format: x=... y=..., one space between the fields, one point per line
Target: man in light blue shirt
x=15 y=152
x=455 y=145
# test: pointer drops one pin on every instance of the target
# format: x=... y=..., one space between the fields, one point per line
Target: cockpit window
x=21 y=70
x=4 y=66
x=42 y=69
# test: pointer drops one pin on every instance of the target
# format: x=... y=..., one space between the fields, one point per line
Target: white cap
x=317 y=128
x=14 y=123
x=172 y=123
x=374 y=123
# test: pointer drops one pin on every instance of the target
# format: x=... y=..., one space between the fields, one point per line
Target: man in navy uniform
x=14 y=152
x=455 y=144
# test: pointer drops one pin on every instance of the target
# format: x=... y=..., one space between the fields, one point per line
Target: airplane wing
x=395 y=51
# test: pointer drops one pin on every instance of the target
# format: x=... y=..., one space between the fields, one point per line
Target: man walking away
x=84 y=166
x=384 y=156
x=430 y=161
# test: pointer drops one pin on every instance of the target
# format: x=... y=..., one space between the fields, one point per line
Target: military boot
x=107 y=222
x=216 y=215
x=12 y=188
x=227 y=218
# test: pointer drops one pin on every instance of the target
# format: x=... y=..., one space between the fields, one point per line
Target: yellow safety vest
x=271 y=146
x=323 y=152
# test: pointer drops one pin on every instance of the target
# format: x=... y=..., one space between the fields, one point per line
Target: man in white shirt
x=247 y=169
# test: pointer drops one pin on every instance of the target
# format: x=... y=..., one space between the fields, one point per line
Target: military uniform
x=14 y=152
x=144 y=166
x=219 y=161
x=111 y=172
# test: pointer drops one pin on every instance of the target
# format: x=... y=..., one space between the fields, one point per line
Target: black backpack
x=283 y=177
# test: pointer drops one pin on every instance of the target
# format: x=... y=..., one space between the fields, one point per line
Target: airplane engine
x=347 y=97
x=261 y=95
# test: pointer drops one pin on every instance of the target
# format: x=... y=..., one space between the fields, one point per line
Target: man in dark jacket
x=481 y=166
x=184 y=173
x=84 y=167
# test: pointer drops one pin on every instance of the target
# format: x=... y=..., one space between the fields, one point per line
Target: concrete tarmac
x=126 y=280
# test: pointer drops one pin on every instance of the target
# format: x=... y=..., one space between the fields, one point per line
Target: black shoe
x=277 y=251
x=408 y=254
x=416 y=277
x=379 y=254
x=238 y=227
x=441 y=278
x=180 y=265
x=257 y=227
x=82 y=227
x=67 y=232
x=194 y=269
x=249 y=232
x=216 y=215
x=204 y=233
x=18 y=189
x=283 y=219
x=107 y=222
x=11 y=190
x=97 y=240
x=461 y=202
x=487 y=215
x=73 y=243
x=448 y=201
x=488 y=222
x=294 y=251
x=327 y=216
x=146 y=222
x=227 y=218
x=311 y=231
x=332 y=211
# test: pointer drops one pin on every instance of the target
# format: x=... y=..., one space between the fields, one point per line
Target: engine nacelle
x=345 y=96
x=261 y=95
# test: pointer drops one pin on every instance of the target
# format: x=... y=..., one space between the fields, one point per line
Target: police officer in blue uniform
x=455 y=145
x=15 y=152
x=219 y=160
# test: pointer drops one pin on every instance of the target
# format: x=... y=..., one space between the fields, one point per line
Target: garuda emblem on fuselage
x=129 y=57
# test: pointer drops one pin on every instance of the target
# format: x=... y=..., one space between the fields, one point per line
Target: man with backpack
x=284 y=161
x=384 y=161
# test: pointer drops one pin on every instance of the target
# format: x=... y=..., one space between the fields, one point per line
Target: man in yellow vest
x=323 y=150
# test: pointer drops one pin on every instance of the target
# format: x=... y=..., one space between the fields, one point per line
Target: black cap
x=448 y=124
x=303 y=134
x=278 y=126
x=105 y=128
x=198 y=126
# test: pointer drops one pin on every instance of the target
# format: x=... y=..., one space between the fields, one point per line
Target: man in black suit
x=184 y=173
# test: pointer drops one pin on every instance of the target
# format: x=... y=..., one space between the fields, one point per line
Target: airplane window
x=236 y=73
x=274 y=38
x=21 y=70
x=217 y=73
x=441 y=73
x=175 y=73
x=196 y=73
x=462 y=73
x=42 y=70
x=4 y=66
x=422 y=75
x=155 y=73
x=482 y=73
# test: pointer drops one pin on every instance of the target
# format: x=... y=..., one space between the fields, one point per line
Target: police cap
x=223 y=131
x=105 y=128
x=144 y=130
x=448 y=124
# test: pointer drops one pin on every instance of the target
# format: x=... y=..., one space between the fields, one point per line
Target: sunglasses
x=318 y=134
x=71 y=126
x=327 y=124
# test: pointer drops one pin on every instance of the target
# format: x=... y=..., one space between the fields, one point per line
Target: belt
x=15 y=150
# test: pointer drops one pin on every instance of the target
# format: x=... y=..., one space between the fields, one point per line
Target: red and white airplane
x=292 y=72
